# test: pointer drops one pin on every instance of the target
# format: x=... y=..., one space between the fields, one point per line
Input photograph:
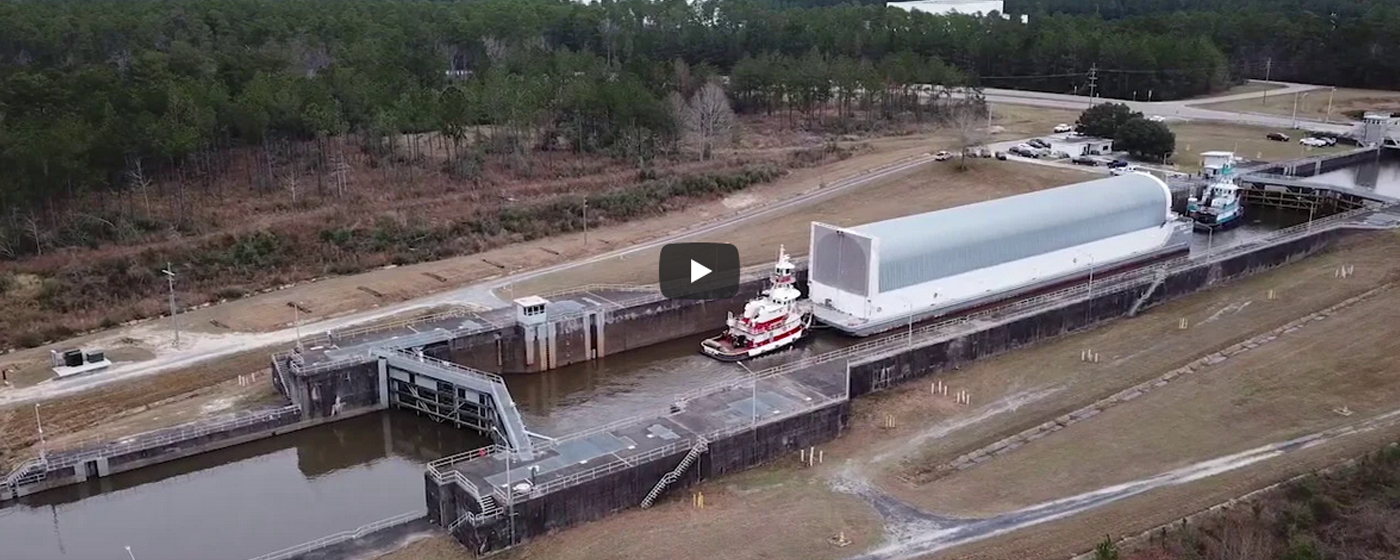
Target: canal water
x=240 y=502
x=252 y=499
x=1381 y=175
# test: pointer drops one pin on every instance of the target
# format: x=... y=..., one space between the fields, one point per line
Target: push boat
x=1219 y=207
x=776 y=319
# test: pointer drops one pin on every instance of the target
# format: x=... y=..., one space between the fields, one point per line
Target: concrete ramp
x=448 y=392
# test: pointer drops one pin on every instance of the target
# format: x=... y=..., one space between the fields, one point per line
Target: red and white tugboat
x=773 y=320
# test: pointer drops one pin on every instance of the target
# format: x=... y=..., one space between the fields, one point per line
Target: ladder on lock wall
x=1157 y=281
x=701 y=445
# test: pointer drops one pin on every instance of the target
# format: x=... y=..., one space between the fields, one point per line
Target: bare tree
x=138 y=178
x=1241 y=539
x=496 y=49
x=708 y=118
x=968 y=119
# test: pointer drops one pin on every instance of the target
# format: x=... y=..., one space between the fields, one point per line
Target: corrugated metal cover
x=844 y=261
x=923 y=247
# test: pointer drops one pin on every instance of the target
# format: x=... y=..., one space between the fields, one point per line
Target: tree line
x=1338 y=42
x=98 y=96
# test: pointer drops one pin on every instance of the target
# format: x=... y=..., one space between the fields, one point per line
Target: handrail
x=342 y=536
x=96 y=447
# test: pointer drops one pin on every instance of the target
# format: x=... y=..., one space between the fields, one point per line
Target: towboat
x=1219 y=207
x=774 y=320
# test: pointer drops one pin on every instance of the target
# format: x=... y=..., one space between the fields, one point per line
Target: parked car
x=1124 y=170
x=1117 y=163
x=1277 y=136
x=1038 y=143
x=1063 y=128
x=1157 y=118
x=942 y=156
x=1313 y=142
x=1085 y=160
x=1025 y=150
x=1001 y=156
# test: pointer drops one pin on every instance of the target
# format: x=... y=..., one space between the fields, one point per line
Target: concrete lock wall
x=625 y=489
x=596 y=334
x=162 y=451
x=325 y=393
x=884 y=372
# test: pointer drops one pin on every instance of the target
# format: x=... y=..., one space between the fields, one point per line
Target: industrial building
x=1076 y=146
x=870 y=278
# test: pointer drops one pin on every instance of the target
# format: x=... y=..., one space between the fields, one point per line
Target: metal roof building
x=929 y=261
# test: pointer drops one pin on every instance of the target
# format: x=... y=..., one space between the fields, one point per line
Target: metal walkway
x=448 y=392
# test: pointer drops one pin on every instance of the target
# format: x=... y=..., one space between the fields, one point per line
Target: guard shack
x=532 y=318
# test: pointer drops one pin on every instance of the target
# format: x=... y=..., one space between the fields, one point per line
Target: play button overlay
x=699 y=271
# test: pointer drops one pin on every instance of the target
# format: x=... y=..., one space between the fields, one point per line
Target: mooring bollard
x=1271 y=294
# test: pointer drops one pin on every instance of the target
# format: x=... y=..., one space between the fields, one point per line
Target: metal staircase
x=1157 y=280
x=30 y=472
x=448 y=405
x=701 y=445
x=489 y=509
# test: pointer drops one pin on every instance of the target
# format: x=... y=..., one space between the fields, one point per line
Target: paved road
x=1188 y=110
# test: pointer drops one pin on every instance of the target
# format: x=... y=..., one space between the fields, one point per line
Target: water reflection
x=1381 y=175
x=239 y=502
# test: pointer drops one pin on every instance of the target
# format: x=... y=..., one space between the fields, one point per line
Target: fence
x=341 y=537
x=85 y=450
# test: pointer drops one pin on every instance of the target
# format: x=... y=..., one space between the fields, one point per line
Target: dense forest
x=97 y=95
x=1353 y=43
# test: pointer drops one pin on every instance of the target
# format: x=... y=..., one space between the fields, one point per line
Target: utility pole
x=1149 y=96
x=1268 y=71
x=129 y=553
x=169 y=272
x=1093 y=82
x=585 y=220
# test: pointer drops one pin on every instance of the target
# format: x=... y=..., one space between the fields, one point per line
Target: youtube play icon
x=699 y=271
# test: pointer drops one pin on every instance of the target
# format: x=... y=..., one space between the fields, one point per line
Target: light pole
x=1088 y=312
x=1330 y=94
x=169 y=272
x=585 y=220
x=1296 y=98
x=296 y=323
x=129 y=553
x=753 y=400
x=43 y=446
x=911 y=323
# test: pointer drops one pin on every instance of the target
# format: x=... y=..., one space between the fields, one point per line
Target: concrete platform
x=729 y=407
x=355 y=344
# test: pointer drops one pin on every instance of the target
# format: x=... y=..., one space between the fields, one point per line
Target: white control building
x=874 y=277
